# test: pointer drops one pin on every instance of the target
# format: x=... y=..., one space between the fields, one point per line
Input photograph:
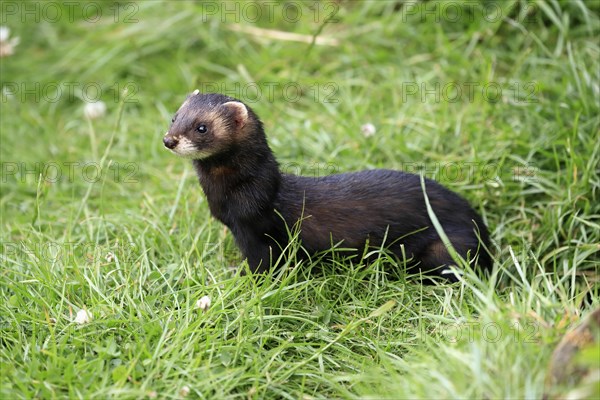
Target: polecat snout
x=247 y=192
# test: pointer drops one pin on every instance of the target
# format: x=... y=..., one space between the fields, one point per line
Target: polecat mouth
x=184 y=148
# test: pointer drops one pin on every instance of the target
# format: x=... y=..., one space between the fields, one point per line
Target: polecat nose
x=170 y=142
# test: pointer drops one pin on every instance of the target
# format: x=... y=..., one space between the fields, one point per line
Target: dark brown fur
x=248 y=193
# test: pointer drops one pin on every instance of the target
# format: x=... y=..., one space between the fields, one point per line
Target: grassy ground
x=501 y=105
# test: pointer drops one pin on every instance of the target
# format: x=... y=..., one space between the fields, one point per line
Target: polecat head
x=209 y=124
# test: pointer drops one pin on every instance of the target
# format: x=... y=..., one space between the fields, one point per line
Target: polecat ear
x=240 y=112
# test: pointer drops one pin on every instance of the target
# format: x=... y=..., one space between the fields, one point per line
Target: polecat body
x=247 y=192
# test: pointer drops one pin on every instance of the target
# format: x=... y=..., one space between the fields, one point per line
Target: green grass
x=136 y=246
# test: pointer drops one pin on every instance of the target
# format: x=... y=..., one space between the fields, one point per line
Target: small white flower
x=184 y=391
x=368 y=129
x=4 y=33
x=7 y=45
x=83 y=317
x=94 y=110
x=110 y=256
x=203 y=303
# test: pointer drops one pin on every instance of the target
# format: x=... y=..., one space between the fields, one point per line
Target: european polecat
x=247 y=192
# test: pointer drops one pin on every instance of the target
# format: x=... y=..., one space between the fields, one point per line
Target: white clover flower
x=184 y=391
x=4 y=33
x=7 y=45
x=368 y=129
x=203 y=303
x=83 y=317
x=95 y=109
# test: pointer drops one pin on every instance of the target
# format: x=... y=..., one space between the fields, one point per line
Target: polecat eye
x=202 y=129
